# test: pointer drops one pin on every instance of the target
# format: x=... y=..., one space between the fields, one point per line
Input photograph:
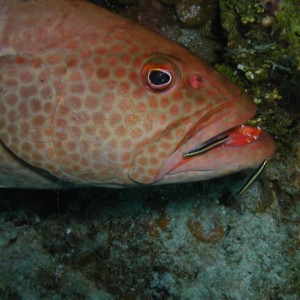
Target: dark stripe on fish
x=212 y=143
x=252 y=178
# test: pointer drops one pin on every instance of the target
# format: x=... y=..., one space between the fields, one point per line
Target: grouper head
x=94 y=99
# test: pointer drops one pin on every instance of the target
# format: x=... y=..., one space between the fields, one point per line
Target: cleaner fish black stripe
x=252 y=178
x=207 y=146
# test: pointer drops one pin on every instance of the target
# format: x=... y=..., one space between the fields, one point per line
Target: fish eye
x=159 y=75
x=159 y=79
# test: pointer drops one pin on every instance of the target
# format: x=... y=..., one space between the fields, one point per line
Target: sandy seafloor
x=188 y=241
x=183 y=241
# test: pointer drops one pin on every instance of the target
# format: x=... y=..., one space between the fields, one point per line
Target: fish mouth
x=214 y=153
x=238 y=136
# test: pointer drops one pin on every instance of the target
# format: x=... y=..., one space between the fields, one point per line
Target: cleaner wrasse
x=90 y=98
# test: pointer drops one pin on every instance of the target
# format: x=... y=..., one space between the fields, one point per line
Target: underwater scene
x=135 y=168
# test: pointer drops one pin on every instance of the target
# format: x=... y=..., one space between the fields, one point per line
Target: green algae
x=288 y=23
x=262 y=56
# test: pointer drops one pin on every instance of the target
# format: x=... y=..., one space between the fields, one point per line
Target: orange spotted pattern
x=75 y=100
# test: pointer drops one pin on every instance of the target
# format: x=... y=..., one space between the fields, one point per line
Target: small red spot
x=166 y=146
x=84 y=162
x=134 y=49
x=2 y=109
x=126 y=156
x=153 y=102
x=125 y=105
x=48 y=108
x=96 y=155
x=163 y=119
x=152 y=172
x=47 y=132
x=111 y=60
x=20 y=60
x=72 y=62
x=46 y=93
x=97 y=61
x=12 y=129
x=105 y=133
x=38 y=121
x=211 y=94
x=26 y=76
x=177 y=95
x=187 y=106
x=54 y=58
x=95 y=87
x=28 y=91
x=71 y=145
x=23 y=109
x=120 y=72
x=134 y=77
x=88 y=70
x=37 y=156
x=114 y=119
x=109 y=97
x=153 y=149
x=116 y=48
x=90 y=130
x=37 y=62
x=123 y=88
x=63 y=110
x=61 y=124
x=111 y=84
x=60 y=71
x=138 y=93
x=143 y=161
x=136 y=132
x=12 y=83
x=75 y=76
x=137 y=62
x=91 y=103
x=12 y=99
x=85 y=53
x=102 y=73
x=77 y=88
x=164 y=102
x=75 y=132
x=127 y=144
x=132 y=119
x=174 y=110
x=125 y=59
x=120 y=131
x=72 y=45
x=26 y=147
x=74 y=156
x=154 y=161
x=162 y=155
x=141 y=107
x=98 y=118
x=100 y=50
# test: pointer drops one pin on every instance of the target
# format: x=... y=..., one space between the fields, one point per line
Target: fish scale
x=77 y=104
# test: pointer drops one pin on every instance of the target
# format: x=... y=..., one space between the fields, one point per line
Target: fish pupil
x=159 y=78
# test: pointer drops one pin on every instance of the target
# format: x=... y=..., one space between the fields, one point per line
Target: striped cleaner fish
x=90 y=98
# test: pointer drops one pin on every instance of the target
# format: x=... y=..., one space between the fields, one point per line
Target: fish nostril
x=196 y=81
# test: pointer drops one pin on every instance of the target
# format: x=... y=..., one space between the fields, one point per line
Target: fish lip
x=191 y=143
